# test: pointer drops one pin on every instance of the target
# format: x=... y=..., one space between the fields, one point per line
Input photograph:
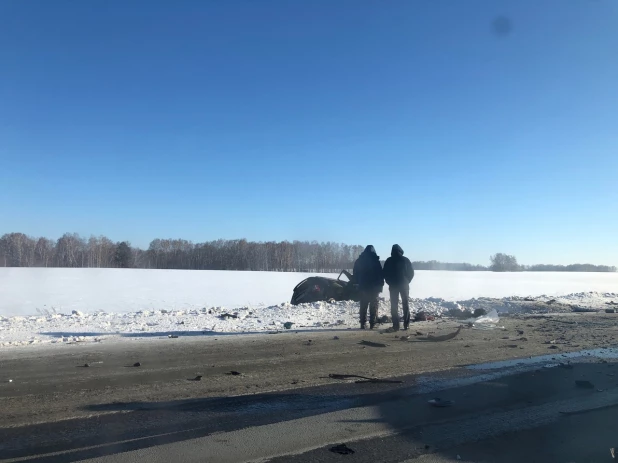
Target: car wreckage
x=315 y=289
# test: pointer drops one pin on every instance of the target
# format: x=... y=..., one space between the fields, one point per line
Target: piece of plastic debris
x=234 y=373
x=137 y=364
x=485 y=322
x=336 y=338
x=173 y=336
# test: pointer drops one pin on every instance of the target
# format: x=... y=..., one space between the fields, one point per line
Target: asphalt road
x=284 y=407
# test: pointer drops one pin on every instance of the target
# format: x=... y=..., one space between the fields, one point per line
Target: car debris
x=373 y=344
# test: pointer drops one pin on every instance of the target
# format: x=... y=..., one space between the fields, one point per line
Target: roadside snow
x=50 y=327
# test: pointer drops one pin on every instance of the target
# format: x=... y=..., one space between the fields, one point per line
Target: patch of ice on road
x=51 y=327
x=548 y=359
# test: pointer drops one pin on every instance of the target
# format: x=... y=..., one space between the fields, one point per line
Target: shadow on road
x=140 y=425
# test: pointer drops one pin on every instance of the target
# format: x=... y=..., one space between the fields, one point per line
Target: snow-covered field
x=62 y=305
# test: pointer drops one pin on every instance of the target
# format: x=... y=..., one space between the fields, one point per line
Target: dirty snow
x=50 y=327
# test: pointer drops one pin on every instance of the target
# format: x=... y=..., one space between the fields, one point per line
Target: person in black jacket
x=368 y=276
x=398 y=273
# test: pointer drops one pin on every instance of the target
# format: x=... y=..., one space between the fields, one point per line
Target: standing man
x=368 y=275
x=398 y=273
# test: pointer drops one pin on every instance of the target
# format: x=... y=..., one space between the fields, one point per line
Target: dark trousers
x=395 y=291
x=368 y=299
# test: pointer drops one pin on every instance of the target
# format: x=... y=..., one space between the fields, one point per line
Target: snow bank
x=50 y=327
x=24 y=290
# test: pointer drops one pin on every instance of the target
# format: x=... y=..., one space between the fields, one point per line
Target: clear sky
x=455 y=128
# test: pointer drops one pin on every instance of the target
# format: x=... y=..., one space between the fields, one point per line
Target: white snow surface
x=68 y=305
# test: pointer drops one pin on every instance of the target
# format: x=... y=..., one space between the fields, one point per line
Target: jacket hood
x=396 y=251
x=370 y=249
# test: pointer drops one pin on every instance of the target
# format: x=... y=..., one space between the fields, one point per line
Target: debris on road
x=137 y=364
x=342 y=449
x=423 y=317
x=234 y=373
x=484 y=322
x=173 y=336
x=373 y=344
x=438 y=402
x=445 y=337
x=584 y=384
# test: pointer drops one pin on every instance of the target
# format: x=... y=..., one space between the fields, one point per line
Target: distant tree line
x=72 y=250
x=506 y=263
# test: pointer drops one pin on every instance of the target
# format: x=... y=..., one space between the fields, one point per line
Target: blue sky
x=411 y=121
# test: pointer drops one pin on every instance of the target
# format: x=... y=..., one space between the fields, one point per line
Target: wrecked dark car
x=314 y=289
